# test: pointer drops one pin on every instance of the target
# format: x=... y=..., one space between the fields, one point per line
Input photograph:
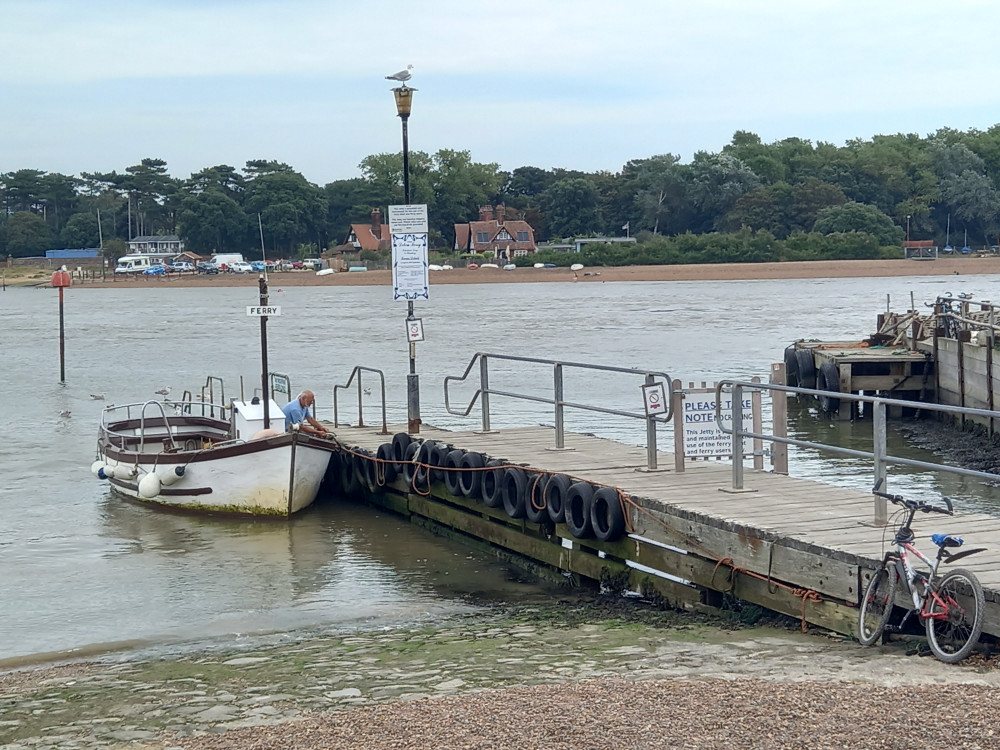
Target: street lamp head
x=404 y=100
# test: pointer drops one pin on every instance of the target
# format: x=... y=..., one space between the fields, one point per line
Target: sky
x=588 y=85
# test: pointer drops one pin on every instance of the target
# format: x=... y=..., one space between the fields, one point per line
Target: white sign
x=655 y=397
x=262 y=311
x=415 y=329
x=702 y=436
x=408 y=229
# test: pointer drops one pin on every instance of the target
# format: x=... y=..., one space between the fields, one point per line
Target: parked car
x=180 y=266
x=313 y=264
x=240 y=267
x=258 y=265
x=206 y=267
x=155 y=271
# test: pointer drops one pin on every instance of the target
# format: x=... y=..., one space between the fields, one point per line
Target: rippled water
x=81 y=568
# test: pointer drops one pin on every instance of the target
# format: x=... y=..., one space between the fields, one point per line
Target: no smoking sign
x=655 y=397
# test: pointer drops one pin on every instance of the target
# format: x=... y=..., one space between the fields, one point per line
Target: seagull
x=368 y=391
x=403 y=75
x=97 y=396
x=64 y=413
x=165 y=391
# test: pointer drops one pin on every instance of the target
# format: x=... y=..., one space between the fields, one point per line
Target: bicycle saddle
x=947 y=540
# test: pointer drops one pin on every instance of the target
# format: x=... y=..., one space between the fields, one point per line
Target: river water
x=81 y=570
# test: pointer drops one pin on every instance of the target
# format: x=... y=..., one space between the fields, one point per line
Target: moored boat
x=206 y=457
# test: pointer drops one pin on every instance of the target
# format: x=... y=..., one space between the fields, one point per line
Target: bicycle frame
x=911 y=575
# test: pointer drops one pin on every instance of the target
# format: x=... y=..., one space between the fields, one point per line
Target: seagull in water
x=64 y=413
x=97 y=396
x=165 y=391
x=401 y=76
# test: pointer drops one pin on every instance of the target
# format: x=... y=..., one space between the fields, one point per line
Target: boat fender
x=124 y=472
x=105 y=472
x=170 y=476
x=492 y=485
x=386 y=464
x=579 y=498
x=556 y=490
x=452 y=477
x=409 y=467
x=534 y=507
x=399 y=443
x=606 y=515
x=149 y=485
x=95 y=468
x=349 y=484
x=471 y=482
x=514 y=492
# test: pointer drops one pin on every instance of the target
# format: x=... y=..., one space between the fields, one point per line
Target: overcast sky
x=584 y=84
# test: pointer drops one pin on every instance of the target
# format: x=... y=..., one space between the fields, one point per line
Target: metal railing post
x=557 y=397
x=650 y=434
x=879 y=433
x=737 y=410
x=484 y=391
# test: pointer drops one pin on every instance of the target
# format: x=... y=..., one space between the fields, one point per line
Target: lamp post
x=907 y=228
x=404 y=101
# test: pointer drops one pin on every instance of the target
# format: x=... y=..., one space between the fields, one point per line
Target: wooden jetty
x=791 y=545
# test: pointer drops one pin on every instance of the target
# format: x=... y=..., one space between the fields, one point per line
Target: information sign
x=408 y=228
x=262 y=311
x=702 y=436
x=655 y=397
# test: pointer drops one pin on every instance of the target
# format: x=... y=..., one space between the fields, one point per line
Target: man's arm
x=317 y=427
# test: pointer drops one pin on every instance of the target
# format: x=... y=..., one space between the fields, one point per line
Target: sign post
x=410 y=281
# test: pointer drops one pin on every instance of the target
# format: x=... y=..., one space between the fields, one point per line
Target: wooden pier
x=795 y=546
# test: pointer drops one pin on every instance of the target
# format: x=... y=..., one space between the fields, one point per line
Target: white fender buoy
x=95 y=468
x=149 y=485
x=171 y=476
x=124 y=472
x=576 y=267
x=105 y=472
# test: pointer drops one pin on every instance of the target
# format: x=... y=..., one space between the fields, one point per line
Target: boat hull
x=273 y=476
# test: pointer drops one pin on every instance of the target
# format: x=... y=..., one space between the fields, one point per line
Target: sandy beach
x=820 y=269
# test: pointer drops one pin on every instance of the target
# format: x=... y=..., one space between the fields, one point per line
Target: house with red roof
x=371 y=236
x=495 y=235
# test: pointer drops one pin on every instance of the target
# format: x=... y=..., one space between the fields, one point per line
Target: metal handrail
x=879 y=455
x=127 y=408
x=484 y=392
x=356 y=372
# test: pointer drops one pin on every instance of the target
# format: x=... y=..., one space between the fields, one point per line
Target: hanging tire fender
x=535 y=509
x=579 y=498
x=452 y=461
x=514 y=491
x=806 y=368
x=386 y=463
x=829 y=380
x=470 y=480
x=556 y=490
x=606 y=515
x=492 y=486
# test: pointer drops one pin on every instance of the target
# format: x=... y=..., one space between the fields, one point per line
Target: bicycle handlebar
x=916 y=505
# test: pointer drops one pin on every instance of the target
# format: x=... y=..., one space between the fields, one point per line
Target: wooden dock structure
x=795 y=546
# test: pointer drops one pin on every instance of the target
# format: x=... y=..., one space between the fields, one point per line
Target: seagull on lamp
x=402 y=76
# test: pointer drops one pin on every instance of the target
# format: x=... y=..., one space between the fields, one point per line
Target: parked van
x=224 y=261
x=133 y=264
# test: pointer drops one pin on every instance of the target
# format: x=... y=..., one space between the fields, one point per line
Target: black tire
x=386 y=464
x=409 y=467
x=606 y=515
x=364 y=469
x=424 y=472
x=828 y=380
x=953 y=637
x=876 y=604
x=805 y=368
x=399 y=443
x=492 y=487
x=556 y=490
x=349 y=484
x=470 y=480
x=451 y=477
x=579 y=498
x=791 y=366
x=437 y=455
x=514 y=492
x=535 y=509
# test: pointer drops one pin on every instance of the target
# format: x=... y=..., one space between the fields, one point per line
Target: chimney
x=485 y=213
x=499 y=212
x=377 y=223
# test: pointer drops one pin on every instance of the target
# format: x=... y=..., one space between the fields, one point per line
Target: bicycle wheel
x=955 y=616
x=876 y=604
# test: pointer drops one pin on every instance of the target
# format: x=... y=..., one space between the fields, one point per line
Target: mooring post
x=557 y=397
x=737 y=409
x=61 y=280
x=878 y=453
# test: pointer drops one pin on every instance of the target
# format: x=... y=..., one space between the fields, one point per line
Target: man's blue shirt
x=295 y=413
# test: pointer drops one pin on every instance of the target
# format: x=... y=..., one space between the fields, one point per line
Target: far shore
x=820 y=269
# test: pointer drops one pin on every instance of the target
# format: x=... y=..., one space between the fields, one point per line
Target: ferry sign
x=263 y=311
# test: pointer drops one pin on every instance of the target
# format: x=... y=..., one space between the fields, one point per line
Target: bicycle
x=951 y=606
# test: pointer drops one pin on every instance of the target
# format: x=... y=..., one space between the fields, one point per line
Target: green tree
x=80 y=231
x=857 y=217
x=27 y=235
x=212 y=221
x=571 y=208
x=292 y=210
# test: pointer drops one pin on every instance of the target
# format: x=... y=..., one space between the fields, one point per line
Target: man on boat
x=297 y=413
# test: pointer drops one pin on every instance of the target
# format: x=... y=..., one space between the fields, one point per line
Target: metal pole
x=62 y=340
x=879 y=434
x=484 y=391
x=650 y=434
x=737 y=409
x=262 y=282
x=557 y=392
x=412 y=379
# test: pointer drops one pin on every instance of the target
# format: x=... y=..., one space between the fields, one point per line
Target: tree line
x=789 y=198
